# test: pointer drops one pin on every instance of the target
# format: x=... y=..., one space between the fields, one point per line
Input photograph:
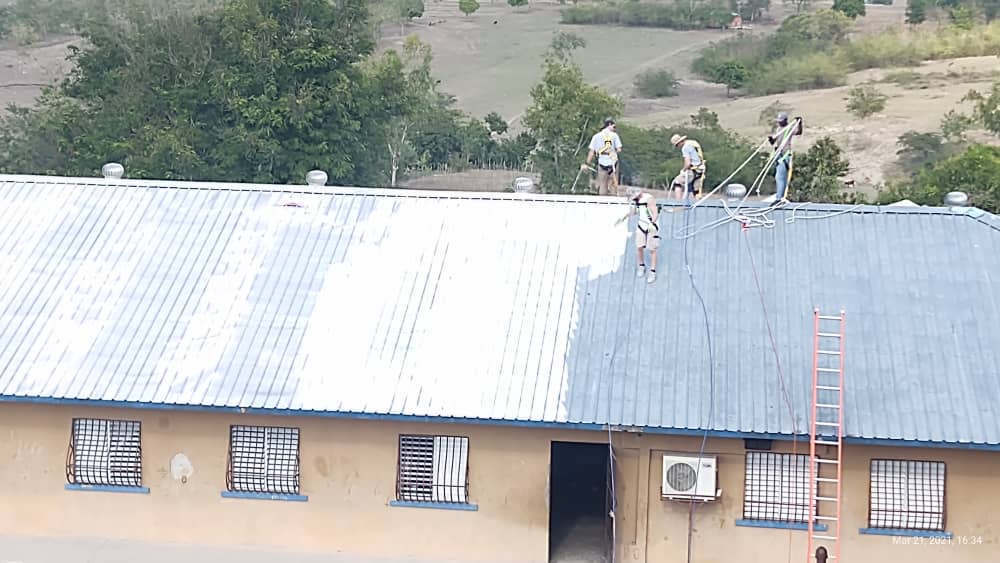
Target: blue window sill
x=903 y=532
x=779 y=524
x=438 y=505
x=264 y=496
x=107 y=488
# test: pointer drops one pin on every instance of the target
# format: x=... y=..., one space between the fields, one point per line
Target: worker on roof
x=606 y=145
x=781 y=139
x=693 y=169
x=647 y=231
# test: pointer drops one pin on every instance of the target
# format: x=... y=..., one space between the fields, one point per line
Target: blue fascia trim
x=437 y=505
x=264 y=496
x=907 y=533
x=495 y=422
x=780 y=524
x=106 y=488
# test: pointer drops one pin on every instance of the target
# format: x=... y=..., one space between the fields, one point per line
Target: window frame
x=440 y=494
x=777 y=491
x=269 y=481
x=893 y=519
x=115 y=461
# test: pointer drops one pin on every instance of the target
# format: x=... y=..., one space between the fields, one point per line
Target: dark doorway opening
x=580 y=528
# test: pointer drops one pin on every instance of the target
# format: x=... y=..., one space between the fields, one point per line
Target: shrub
x=656 y=84
x=801 y=73
x=863 y=101
x=850 y=8
x=714 y=13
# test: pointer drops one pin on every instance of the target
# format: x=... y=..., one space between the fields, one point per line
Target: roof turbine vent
x=112 y=170
x=736 y=191
x=316 y=178
x=956 y=199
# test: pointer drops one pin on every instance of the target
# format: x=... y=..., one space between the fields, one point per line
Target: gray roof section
x=502 y=307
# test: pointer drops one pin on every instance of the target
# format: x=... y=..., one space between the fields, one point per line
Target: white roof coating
x=494 y=307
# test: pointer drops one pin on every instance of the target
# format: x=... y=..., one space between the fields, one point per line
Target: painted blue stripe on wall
x=778 y=524
x=907 y=533
x=264 y=496
x=491 y=422
x=106 y=488
x=438 y=505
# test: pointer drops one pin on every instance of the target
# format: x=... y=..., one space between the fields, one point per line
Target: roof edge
x=586 y=426
x=980 y=215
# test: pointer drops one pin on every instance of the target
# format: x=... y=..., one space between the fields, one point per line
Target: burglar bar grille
x=776 y=487
x=105 y=452
x=433 y=469
x=263 y=459
x=907 y=494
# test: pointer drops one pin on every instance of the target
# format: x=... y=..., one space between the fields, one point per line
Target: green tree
x=864 y=101
x=733 y=74
x=468 y=7
x=406 y=10
x=850 y=8
x=916 y=11
x=962 y=17
x=986 y=111
x=256 y=91
x=975 y=171
x=517 y=3
x=920 y=149
x=818 y=173
x=496 y=123
x=564 y=114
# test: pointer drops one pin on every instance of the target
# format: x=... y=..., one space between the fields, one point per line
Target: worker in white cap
x=693 y=169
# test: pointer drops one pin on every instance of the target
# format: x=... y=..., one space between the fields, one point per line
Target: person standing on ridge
x=693 y=169
x=606 y=145
x=781 y=140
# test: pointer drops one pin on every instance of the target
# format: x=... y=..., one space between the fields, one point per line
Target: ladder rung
x=826 y=443
x=826 y=423
x=828 y=388
x=824 y=406
x=827 y=480
x=829 y=352
x=829 y=318
x=833 y=518
x=827 y=499
x=828 y=370
x=824 y=538
x=827 y=461
x=830 y=334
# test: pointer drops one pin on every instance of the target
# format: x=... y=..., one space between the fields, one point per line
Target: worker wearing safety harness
x=781 y=140
x=647 y=231
x=694 y=165
x=606 y=145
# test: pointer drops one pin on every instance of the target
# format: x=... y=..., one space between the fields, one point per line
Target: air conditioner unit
x=690 y=477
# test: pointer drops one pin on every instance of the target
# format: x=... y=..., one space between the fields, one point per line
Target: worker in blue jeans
x=781 y=139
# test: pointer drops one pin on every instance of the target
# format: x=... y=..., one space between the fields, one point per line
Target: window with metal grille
x=263 y=459
x=105 y=452
x=776 y=487
x=907 y=494
x=433 y=469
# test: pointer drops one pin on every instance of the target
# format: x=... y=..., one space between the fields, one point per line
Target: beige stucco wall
x=348 y=472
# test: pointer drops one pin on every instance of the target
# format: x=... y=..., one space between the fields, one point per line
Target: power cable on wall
x=711 y=383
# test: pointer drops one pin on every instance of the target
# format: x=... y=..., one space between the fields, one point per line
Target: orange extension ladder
x=827 y=431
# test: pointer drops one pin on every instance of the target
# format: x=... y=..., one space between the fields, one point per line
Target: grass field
x=490 y=60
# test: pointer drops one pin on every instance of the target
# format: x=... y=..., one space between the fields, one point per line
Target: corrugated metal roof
x=496 y=306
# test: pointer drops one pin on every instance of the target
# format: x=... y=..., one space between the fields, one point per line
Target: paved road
x=46 y=550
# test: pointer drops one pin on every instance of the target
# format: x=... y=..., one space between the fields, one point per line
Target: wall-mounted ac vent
x=690 y=477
